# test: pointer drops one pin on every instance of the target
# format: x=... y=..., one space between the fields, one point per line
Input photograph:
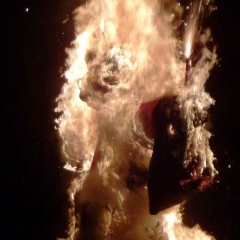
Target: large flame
x=125 y=53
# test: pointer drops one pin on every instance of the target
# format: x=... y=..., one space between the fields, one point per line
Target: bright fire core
x=126 y=54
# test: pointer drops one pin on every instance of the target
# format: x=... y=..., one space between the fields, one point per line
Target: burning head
x=112 y=70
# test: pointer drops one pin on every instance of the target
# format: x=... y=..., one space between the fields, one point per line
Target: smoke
x=126 y=53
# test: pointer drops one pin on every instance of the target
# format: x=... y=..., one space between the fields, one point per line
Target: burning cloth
x=133 y=123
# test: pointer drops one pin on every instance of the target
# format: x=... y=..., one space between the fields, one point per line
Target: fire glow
x=188 y=49
x=126 y=54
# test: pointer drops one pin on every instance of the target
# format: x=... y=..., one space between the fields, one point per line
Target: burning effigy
x=134 y=118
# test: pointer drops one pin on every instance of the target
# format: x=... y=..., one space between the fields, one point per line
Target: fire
x=125 y=54
x=172 y=224
x=188 y=49
x=102 y=25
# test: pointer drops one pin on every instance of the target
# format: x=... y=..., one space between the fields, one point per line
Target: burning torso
x=125 y=81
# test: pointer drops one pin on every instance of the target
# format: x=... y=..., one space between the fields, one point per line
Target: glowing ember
x=124 y=65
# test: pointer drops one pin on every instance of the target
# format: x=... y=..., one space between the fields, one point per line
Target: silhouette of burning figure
x=169 y=182
x=133 y=126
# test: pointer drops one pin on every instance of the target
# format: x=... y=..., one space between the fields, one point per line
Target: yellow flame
x=176 y=230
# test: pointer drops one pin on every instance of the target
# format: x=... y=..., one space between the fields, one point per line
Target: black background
x=32 y=182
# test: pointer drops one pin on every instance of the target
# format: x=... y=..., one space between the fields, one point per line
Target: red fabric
x=144 y=115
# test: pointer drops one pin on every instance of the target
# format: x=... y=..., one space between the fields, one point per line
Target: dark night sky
x=32 y=49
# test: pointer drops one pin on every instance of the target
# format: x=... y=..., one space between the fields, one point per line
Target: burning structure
x=134 y=111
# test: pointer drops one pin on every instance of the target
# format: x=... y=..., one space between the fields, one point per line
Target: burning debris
x=134 y=115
